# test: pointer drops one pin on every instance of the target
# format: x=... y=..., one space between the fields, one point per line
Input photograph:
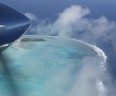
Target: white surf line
x=99 y=83
x=99 y=51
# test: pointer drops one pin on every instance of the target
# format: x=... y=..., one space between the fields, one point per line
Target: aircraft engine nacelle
x=12 y=24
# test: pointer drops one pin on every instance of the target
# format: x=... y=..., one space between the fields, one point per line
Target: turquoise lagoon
x=43 y=66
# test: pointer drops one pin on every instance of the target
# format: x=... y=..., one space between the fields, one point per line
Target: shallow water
x=48 y=67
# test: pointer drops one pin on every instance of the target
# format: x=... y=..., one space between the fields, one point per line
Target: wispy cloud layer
x=73 y=23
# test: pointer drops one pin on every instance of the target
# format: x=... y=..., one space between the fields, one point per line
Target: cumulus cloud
x=68 y=19
x=73 y=23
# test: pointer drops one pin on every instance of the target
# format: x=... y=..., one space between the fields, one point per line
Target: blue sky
x=51 y=8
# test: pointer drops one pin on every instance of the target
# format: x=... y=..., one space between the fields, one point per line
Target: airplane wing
x=12 y=24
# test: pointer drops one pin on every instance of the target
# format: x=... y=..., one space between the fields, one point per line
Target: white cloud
x=67 y=19
x=73 y=23
x=31 y=16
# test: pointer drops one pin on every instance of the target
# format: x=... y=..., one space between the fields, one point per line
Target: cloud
x=68 y=19
x=73 y=23
x=31 y=17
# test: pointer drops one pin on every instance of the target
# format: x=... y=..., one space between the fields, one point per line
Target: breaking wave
x=99 y=83
x=88 y=80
